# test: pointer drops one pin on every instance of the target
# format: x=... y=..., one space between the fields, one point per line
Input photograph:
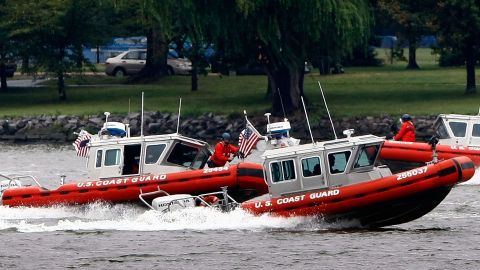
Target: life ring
x=211 y=200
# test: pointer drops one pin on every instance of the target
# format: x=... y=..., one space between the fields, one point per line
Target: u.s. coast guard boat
x=338 y=180
x=122 y=167
x=457 y=135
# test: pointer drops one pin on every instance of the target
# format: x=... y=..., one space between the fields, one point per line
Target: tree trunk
x=269 y=94
x=3 y=77
x=61 y=86
x=195 y=60
x=60 y=75
x=25 y=64
x=412 y=55
x=98 y=54
x=470 y=65
x=194 y=76
x=285 y=86
x=79 y=56
x=156 y=64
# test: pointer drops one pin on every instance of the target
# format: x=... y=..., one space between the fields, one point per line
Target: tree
x=154 y=19
x=196 y=22
x=460 y=33
x=280 y=34
x=413 y=18
x=53 y=33
x=6 y=48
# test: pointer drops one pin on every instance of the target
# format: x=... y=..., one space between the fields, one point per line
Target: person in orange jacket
x=407 y=131
x=224 y=151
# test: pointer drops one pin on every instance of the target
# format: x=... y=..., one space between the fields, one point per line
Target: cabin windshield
x=183 y=155
x=311 y=166
x=200 y=160
x=338 y=161
x=440 y=130
x=367 y=156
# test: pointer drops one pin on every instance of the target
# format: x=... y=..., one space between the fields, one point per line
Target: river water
x=100 y=236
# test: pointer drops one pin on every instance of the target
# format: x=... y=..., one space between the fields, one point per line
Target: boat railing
x=18 y=177
x=227 y=203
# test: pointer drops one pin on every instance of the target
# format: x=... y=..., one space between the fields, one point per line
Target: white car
x=132 y=61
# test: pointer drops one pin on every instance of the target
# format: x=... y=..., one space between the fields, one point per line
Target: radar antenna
x=328 y=112
x=308 y=122
x=179 y=110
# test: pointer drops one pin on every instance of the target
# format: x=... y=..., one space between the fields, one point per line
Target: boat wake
x=124 y=217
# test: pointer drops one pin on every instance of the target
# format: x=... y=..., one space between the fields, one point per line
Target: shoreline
x=207 y=127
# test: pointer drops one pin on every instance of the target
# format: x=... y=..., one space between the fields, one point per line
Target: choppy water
x=100 y=236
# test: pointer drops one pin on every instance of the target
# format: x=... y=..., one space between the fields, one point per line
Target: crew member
x=407 y=131
x=224 y=151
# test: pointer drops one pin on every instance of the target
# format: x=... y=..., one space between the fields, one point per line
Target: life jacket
x=222 y=153
x=406 y=133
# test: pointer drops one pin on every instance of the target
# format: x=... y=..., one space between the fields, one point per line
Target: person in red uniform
x=224 y=151
x=407 y=131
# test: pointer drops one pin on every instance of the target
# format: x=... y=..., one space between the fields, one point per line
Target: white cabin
x=319 y=165
x=113 y=156
x=457 y=129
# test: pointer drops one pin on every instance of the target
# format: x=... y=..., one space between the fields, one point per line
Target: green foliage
x=461 y=33
x=52 y=34
x=363 y=57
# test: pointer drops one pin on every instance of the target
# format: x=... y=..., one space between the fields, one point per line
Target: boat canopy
x=119 y=156
x=320 y=165
x=457 y=129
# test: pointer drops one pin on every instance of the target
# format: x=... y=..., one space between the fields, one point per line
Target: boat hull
x=387 y=201
x=244 y=181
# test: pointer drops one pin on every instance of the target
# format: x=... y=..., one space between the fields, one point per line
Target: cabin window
x=476 y=130
x=441 y=130
x=459 y=129
x=367 y=155
x=311 y=166
x=112 y=157
x=282 y=171
x=98 y=161
x=153 y=153
x=200 y=160
x=338 y=161
x=183 y=155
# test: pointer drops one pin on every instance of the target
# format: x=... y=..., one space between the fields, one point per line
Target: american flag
x=80 y=143
x=248 y=139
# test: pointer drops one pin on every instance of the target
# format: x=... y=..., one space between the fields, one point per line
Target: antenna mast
x=328 y=112
x=141 y=123
x=308 y=121
x=281 y=102
x=179 y=110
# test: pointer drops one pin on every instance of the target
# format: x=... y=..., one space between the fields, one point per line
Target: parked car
x=132 y=61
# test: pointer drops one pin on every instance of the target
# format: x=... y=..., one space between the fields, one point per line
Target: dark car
x=10 y=69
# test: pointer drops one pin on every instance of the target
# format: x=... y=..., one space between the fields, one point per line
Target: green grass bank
x=390 y=89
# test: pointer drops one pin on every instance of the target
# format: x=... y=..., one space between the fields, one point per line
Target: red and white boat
x=121 y=168
x=338 y=181
x=458 y=135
